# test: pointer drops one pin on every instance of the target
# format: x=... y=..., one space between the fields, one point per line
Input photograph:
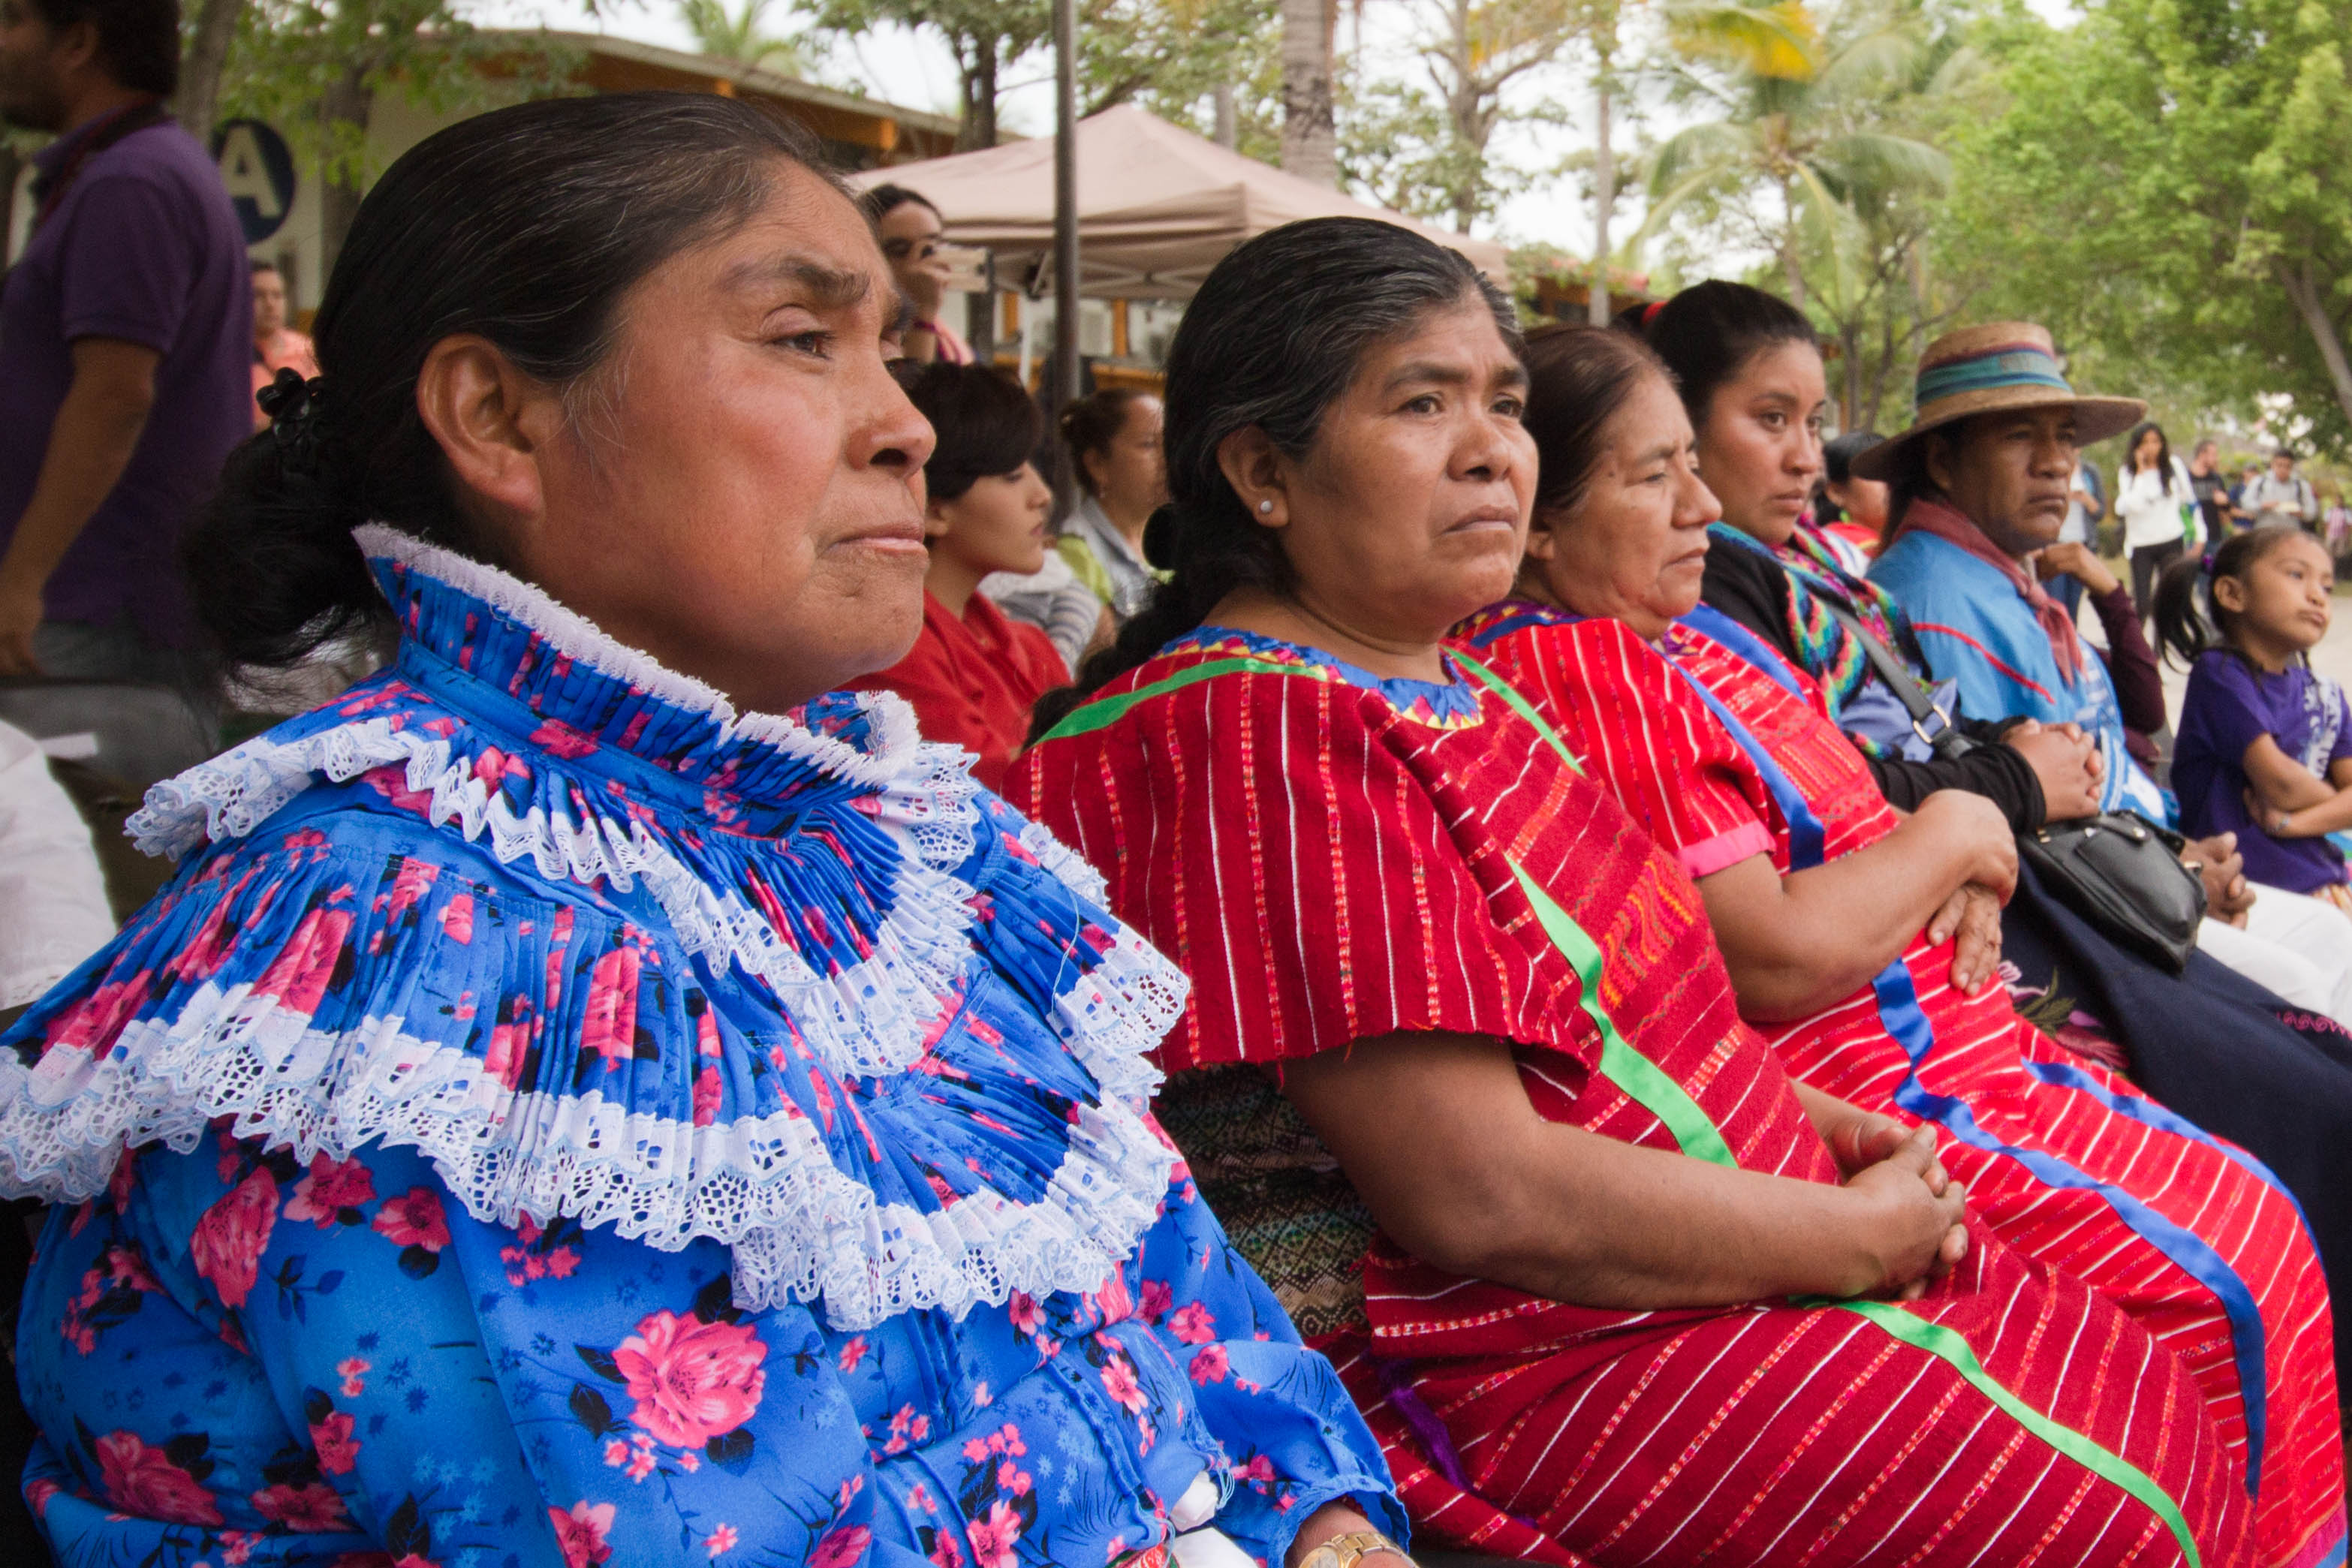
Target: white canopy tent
x=1157 y=206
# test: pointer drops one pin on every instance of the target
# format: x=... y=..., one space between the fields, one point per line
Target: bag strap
x=1928 y=721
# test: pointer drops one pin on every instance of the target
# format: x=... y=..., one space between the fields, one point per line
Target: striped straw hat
x=1983 y=370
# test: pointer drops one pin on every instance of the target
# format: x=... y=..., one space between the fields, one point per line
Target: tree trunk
x=1850 y=345
x=979 y=98
x=1310 y=139
x=11 y=165
x=348 y=100
x=2312 y=305
x=197 y=103
x=1788 y=269
x=1881 y=372
x=1229 y=127
x=1604 y=197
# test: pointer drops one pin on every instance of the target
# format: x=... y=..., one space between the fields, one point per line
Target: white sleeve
x=53 y=908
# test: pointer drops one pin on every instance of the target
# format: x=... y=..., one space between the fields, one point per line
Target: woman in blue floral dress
x=563 y=1112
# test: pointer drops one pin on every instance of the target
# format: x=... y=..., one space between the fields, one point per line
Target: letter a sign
x=258 y=170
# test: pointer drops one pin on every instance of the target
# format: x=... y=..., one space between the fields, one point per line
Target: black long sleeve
x=1995 y=772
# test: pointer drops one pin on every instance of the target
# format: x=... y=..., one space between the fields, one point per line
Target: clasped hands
x=1914 y=1214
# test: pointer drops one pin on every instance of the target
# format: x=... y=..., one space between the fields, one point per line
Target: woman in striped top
x=1630 y=1294
x=1864 y=943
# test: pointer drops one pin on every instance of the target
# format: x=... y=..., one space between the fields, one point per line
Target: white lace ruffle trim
x=867 y=1018
x=799 y=1227
x=800 y=1230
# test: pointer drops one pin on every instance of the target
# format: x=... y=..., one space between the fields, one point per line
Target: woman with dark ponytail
x=1461 y=1047
x=596 y=1093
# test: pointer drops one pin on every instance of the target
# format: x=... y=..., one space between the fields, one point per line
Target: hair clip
x=1650 y=311
x=292 y=405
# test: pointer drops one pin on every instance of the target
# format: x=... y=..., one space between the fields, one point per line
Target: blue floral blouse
x=573 y=1123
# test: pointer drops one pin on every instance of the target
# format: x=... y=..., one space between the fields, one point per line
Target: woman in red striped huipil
x=1633 y=1296
x=1853 y=935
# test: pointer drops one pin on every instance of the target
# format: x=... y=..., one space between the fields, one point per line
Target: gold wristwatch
x=1342 y=1550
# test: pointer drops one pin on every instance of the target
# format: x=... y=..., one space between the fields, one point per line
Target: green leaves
x=2190 y=229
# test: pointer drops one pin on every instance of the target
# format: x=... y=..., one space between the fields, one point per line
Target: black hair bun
x=1159 y=540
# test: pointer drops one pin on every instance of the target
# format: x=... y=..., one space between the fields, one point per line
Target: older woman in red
x=1574 y=1327
x=1864 y=942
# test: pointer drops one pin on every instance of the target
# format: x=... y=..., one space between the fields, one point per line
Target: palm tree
x=1772 y=37
x=1797 y=122
x=736 y=34
x=1310 y=139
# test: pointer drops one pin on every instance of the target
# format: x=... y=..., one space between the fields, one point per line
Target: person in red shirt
x=276 y=345
x=975 y=673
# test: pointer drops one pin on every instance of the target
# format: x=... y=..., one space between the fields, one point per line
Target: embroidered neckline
x=1437 y=705
x=1502 y=618
x=563 y=668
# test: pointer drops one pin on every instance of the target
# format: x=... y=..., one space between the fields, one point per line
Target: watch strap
x=1345 y=1550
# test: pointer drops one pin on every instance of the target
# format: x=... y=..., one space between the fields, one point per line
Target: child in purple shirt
x=2265 y=743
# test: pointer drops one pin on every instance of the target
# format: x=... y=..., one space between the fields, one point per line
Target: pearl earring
x=1265 y=506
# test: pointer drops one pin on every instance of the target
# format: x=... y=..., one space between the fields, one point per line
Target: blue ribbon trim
x=1709 y=622
x=2163 y=1120
x=1899 y=1011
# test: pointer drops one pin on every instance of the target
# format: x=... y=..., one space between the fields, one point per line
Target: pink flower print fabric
x=470 y=1393
x=830 y=984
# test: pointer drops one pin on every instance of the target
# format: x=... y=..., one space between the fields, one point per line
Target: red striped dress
x=1333 y=858
x=2065 y=1161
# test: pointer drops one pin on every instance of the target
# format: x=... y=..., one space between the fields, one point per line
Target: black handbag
x=2122 y=874
x=2117 y=869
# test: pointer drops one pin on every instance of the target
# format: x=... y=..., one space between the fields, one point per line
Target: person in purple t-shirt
x=2265 y=748
x=125 y=335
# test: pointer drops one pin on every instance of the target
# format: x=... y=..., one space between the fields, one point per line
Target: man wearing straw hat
x=1981 y=486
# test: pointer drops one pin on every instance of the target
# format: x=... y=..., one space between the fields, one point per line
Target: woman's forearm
x=2332 y=815
x=1491 y=1190
x=1799 y=943
x=2131 y=663
x=1666 y=1230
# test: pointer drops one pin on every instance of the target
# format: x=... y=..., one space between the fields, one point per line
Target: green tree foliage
x=986 y=37
x=1172 y=55
x=1426 y=146
x=742 y=34
x=2166 y=186
x=1876 y=288
x=316 y=68
x=1799 y=144
x=1169 y=54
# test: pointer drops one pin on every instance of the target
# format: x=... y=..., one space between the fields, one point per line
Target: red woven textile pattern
x=1329 y=864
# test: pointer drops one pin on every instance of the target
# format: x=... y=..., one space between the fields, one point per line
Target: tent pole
x=1064 y=383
